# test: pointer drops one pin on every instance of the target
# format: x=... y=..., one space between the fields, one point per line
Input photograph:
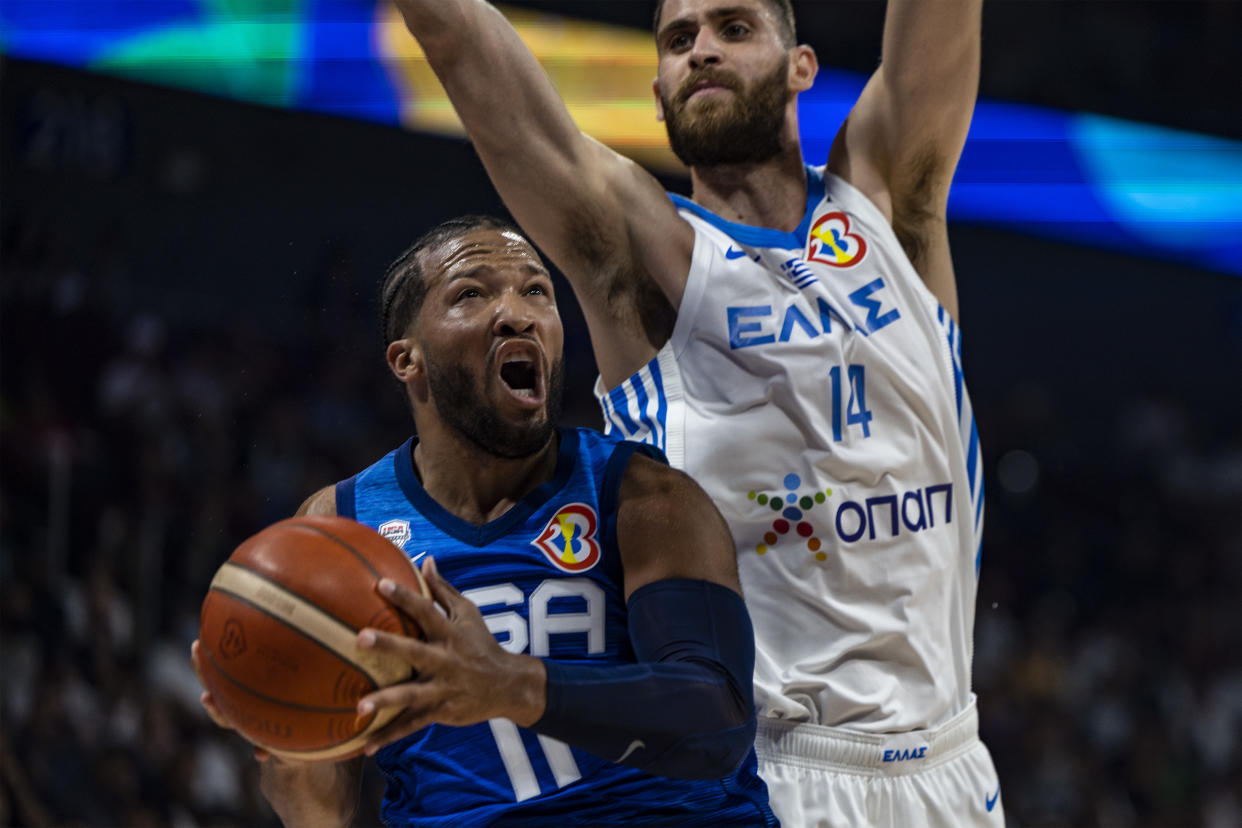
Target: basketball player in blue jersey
x=592 y=662
x=789 y=337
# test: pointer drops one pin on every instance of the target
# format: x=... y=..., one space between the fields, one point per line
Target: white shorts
x=827 y=777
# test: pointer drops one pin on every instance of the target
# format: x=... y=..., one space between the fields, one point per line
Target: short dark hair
x=783 y=9
x=403 y=289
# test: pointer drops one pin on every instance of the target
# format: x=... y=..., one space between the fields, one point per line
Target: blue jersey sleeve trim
x=346 y=504
x=765 y=236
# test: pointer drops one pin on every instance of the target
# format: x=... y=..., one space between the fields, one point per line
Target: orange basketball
x=278 y=630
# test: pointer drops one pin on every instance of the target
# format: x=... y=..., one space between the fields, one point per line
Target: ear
x=655 y=90
x=803 y=67
x=405 y=360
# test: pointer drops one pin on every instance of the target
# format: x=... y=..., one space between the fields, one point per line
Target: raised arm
x=904 y=136
x=603 y=220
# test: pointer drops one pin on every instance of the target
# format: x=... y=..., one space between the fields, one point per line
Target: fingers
x=418 y=654
x=205 y=699
x=420 y=608
x=196 y=660
x=213 y=712
x=444 y=593
x=409 y=694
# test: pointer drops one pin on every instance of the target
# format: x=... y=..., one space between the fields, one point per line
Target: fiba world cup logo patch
x=830 y=242
x=570 y=540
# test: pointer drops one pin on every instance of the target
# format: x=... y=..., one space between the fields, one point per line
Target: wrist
x=528 y=691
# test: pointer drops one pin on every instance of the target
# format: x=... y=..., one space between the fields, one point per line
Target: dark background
x=188 y=348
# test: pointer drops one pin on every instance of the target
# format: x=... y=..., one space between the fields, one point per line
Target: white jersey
x=813 y=386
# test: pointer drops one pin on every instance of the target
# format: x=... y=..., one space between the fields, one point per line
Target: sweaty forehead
x=482 y=249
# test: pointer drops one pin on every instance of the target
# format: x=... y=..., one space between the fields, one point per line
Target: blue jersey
x=547 y=577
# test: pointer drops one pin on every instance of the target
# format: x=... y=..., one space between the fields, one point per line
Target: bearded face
x=742 y=128
x=462 y=402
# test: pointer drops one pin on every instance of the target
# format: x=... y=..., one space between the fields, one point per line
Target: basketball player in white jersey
x=789 y=337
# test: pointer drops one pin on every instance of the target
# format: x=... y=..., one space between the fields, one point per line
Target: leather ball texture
x=278 y=635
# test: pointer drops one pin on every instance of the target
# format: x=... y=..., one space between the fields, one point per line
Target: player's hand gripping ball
x=278 y=635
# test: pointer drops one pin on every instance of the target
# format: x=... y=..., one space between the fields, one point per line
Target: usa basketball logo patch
x=397 y=532
x=830 y=242
x=570 y=540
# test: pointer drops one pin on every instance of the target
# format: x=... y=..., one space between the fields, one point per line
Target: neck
x=472 y=484
x=769 y=194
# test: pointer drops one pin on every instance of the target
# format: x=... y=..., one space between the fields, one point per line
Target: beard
x=744 y=130
x=462 y=404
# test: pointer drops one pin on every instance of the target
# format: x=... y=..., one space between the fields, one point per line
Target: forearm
x=312 y=794
x=486 y=69
x=686 y=709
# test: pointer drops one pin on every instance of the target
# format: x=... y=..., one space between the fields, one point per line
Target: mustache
x=716 y=77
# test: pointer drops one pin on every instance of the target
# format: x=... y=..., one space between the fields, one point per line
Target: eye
x=538 y=290
x=468 y=293
x=735 y=30
x=679 y=42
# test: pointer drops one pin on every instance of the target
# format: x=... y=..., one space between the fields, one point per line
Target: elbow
x=704 y=756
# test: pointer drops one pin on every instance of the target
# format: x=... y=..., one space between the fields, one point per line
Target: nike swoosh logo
x=991 y=800
x=638 y=743
x=734 y=253
x=414 y=558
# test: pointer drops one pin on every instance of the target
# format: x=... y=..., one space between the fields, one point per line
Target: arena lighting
x=1142 y=189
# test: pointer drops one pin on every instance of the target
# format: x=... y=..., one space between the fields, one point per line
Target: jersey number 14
x=854 y=412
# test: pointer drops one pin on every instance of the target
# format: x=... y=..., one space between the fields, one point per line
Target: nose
x=706 y=50
x=513 y=315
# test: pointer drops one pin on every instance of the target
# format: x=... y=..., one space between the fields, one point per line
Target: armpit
x=918 y=204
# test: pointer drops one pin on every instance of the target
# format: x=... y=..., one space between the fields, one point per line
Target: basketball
x=278 y=630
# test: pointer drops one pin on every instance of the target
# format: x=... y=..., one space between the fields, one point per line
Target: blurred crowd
x=137 y=449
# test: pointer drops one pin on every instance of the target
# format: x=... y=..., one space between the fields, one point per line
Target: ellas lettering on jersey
x=751 y=325
x=569 y=540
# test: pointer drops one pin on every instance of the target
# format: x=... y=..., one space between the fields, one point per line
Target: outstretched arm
x=603 y=220
x=301 y=793
x=901 y=143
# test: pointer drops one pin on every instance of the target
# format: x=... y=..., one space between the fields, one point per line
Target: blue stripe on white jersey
x=640 y=399
x=969 y=429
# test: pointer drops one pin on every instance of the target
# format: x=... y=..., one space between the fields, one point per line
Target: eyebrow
x=714 y=14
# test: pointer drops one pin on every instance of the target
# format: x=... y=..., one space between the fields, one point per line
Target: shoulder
x=322 y=502
x=658 y=495
x=667 y=527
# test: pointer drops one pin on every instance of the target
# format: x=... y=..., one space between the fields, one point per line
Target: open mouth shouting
x=521 y=372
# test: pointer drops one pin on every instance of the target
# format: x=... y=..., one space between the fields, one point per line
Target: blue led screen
x=1087 y=179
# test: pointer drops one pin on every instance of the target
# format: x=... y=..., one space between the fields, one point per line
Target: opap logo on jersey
x=569 y=539
x=830 y=242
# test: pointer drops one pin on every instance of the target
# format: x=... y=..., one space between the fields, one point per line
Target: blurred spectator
x=137 y=451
